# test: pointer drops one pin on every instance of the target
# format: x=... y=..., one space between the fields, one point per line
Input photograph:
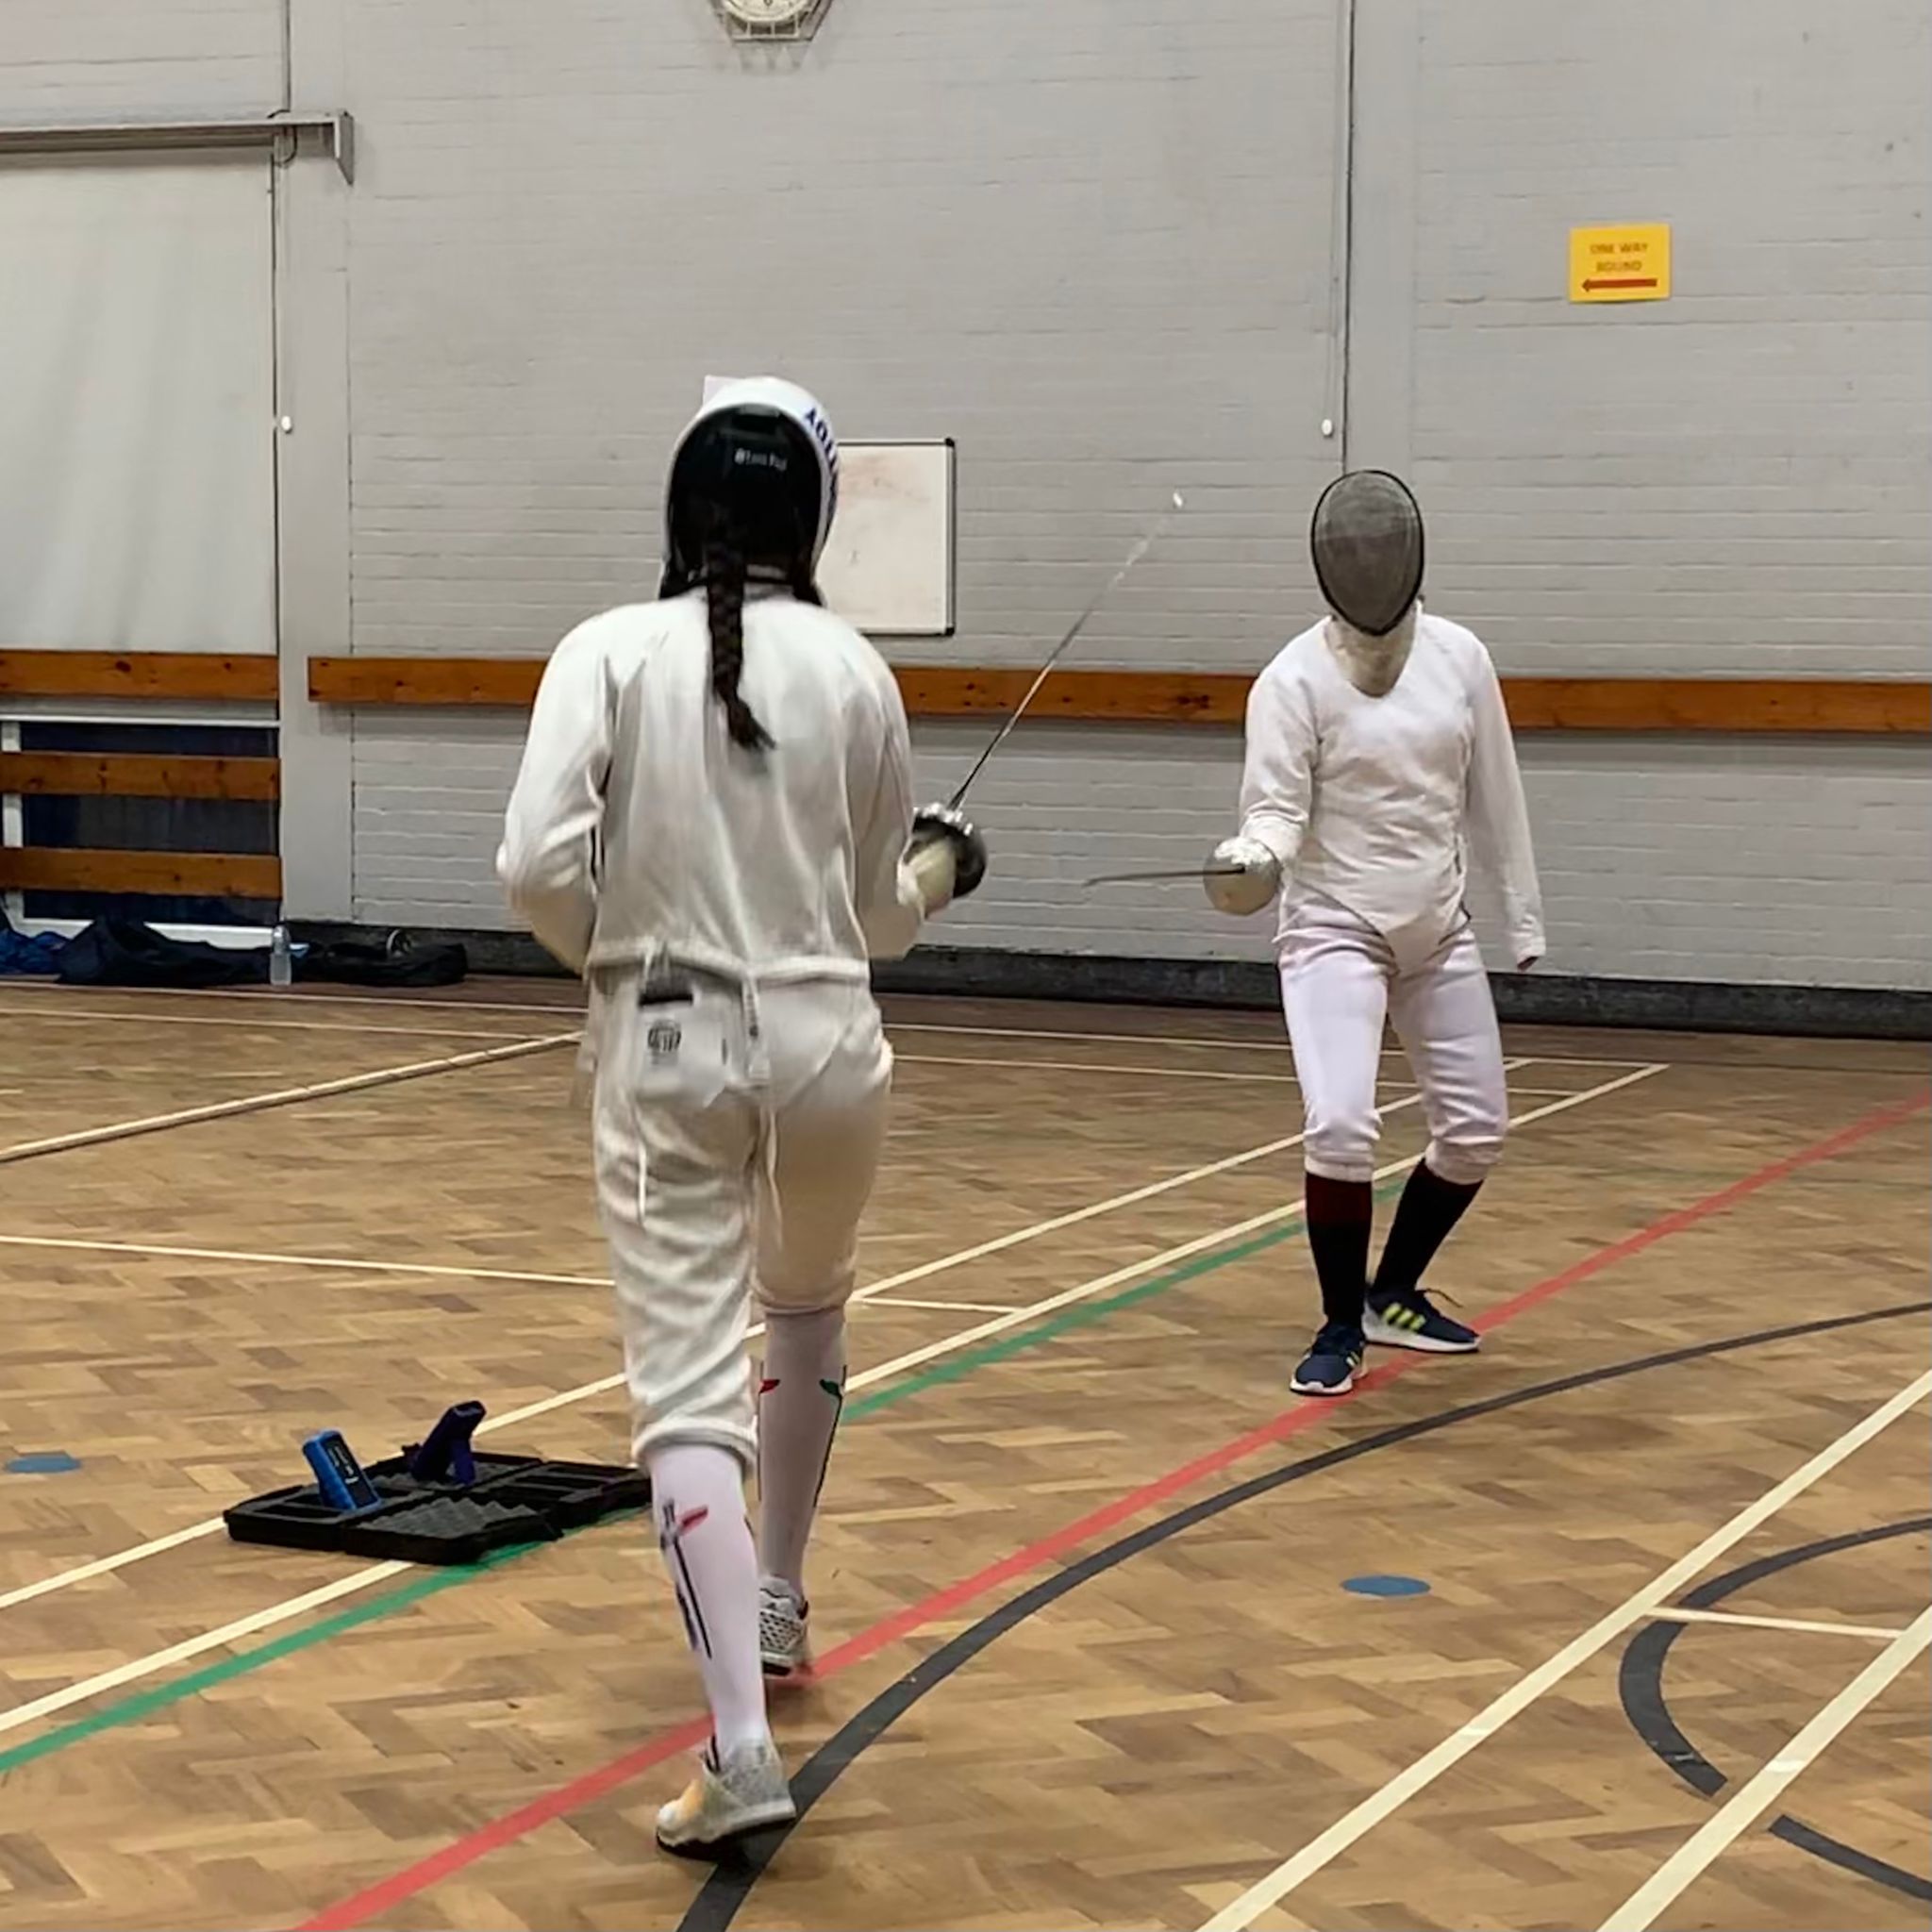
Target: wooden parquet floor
x=1078 y=1584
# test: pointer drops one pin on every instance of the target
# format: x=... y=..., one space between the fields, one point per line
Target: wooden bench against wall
x=193 y=677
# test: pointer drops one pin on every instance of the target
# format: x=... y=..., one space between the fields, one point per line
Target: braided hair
x=724 y=581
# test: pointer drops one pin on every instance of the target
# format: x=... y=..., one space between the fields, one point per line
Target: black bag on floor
x=397 y=962
x=123 y=952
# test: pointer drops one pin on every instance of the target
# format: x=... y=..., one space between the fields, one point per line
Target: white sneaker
x=784 y=1641
x=732 y=1796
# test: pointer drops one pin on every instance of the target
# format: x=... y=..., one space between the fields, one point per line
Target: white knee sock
x=800 y=1394
x=698 y=1494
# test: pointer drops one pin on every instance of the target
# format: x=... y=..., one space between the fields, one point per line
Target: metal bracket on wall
x=333 y=134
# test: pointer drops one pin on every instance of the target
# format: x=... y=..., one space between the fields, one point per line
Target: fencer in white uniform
x=713 y=822
x=1378 y=761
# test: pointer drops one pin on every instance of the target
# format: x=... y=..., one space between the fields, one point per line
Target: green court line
x=144 y=1703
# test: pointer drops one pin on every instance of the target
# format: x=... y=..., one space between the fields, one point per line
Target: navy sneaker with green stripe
x=1406 y=1318
x=1329 y=1366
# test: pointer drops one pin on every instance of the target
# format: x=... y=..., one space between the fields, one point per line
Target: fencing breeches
x=1341 y=979
x=735 y=1147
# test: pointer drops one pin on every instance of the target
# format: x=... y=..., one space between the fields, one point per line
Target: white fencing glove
x=1240 y=876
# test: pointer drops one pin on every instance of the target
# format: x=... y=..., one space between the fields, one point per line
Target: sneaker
x=1408 y=1319
x=1329 y=1366
x=731 y=1796
x=784 y=1641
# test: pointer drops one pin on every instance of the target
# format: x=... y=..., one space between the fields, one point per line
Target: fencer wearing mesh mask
x=1378 y=762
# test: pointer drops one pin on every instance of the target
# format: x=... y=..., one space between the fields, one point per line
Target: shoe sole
x=785 y=1670
x=1385 y=1337
x=710 y=1849
x=1320 y=1388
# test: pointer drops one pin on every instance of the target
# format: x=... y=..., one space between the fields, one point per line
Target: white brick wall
x=138 y=60
x=1093 y=241
x=1737 y=480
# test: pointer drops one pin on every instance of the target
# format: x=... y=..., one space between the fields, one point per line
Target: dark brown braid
x=724 y=576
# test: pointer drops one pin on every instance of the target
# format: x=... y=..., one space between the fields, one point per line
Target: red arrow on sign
x=1622 y=282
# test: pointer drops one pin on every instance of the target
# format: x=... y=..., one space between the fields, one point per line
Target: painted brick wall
x=1737 y=480
x=1094 y=242
x=138 y=60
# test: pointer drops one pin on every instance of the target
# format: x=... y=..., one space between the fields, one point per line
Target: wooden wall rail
x=1837 y=705
x=199 y=676
x=171 y=874
x=131 y=774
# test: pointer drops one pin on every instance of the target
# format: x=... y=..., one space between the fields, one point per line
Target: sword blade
x=1139 y=878
x=1059 y=650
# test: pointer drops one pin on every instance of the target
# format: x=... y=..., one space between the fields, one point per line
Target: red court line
x=387 y=1894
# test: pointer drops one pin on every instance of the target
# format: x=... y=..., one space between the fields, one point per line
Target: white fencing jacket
x=1374 y=802
x=638 y=830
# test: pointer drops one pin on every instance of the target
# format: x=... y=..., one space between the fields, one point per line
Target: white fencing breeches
x=1340 y=980
x=740 y=1174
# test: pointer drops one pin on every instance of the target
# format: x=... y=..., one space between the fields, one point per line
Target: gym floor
x=1621 y=1622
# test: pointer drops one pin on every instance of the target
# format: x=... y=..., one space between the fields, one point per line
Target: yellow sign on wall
x=1626 y=264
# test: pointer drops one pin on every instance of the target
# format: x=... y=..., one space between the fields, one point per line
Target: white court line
x=893 y=1301
x=1677 y=1613
x=935 y=1059
x=1257 y=1044
x=1372 y=1810
x=442 y=1271
x=1733 y=1818
x=1235 y=1231
x=287 y=1096
x=262 y=1619
x=70 y=1694
x=74 y=1017
x=103 y=1565
x=446 y=1270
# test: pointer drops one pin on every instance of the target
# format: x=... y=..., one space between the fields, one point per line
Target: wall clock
x=770 y=20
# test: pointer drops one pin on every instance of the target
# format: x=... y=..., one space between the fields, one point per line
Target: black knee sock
x=1429 y=1209
x=1338 y=1216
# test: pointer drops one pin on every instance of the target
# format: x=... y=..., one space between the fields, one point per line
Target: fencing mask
x=1367 y=540
x=759 y=461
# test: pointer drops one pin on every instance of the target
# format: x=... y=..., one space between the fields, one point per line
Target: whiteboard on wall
x=887 y=567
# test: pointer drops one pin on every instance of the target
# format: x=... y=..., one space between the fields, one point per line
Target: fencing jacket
x=638 y=830
x=1373 y=802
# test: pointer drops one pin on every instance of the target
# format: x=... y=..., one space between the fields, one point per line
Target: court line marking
x=287 y=1096
x=936 y=1059
x=75 y=1017
x=102 y=1566
x=944 y=1605
x=892 y=1300
x=131 y=1671
x=1234 y=1231
x=1259 y=1043
x=1677 y=1613
x=1738 y=1812
x=450 y=1271
x=1324 y=1849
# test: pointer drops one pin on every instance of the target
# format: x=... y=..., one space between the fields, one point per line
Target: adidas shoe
x=784 y=1641
x=733 y=1795
x=1408 y=1319
x=1329 y=1366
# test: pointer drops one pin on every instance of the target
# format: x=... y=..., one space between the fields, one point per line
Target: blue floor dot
x=1387 y=1586
x=48 y=1462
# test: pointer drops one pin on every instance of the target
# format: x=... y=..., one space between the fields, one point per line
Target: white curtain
x=136 y=462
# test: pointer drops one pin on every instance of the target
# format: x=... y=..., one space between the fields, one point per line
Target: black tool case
x=514 y=1499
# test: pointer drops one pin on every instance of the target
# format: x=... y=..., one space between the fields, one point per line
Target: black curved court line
x=1641 y=1686
x=729 y=1885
